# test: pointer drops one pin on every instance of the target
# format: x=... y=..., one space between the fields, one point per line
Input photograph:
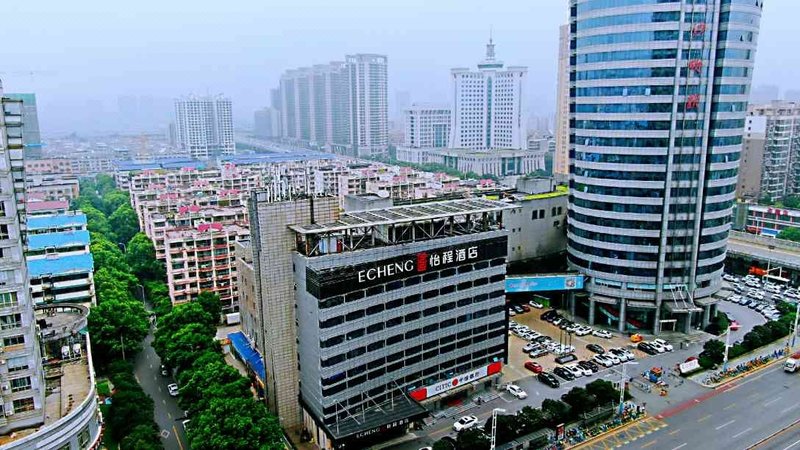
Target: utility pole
x=622 y=384
x=121 y=341
x=796 y=317
x=494 y=426
x=727 y=345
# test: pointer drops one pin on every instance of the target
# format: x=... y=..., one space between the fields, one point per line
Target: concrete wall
x=531 y=238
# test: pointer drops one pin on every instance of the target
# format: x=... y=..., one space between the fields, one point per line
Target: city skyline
x=93 y=73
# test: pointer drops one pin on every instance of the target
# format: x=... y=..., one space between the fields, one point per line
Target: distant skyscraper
x=31 y=136
x=339 y=107
x=427 y=126
x=369 y=104
x=22 y=377
x=402 y=100
x=266 y=123
x=489 y=106
x=204 y=126
x=561 y=157
x=658 y=101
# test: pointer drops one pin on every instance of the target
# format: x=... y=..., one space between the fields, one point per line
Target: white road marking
x=792 y=445
x=163 y=401
x=724 y=425
x=741 y=433
x=169 y=415
x=772 y=401
x=788 y=409
x=680 y=446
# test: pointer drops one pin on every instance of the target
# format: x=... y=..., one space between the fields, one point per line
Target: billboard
x=540 y=283
x=324 y=284
x=452 y=383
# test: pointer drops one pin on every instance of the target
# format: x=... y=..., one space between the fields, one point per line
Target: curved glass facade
x=656 y=122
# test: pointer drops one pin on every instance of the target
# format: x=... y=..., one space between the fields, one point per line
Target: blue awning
x=250 y=356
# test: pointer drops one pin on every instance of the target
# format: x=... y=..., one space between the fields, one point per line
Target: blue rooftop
x=56 y=221
x=58 y=240
x=308 y=155
x=250 y=356
x=60 y=265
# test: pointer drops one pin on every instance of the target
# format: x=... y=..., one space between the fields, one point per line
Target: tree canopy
x=235 y=423
x=790 y=234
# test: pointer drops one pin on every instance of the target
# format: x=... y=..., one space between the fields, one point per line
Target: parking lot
x=757 y=295
x=517 y=357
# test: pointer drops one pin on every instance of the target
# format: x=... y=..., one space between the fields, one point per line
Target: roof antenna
x=490 y=46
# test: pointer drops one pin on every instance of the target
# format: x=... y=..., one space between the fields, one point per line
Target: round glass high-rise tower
x=658 y=99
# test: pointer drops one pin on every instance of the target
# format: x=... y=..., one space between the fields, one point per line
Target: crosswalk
x=625 y=435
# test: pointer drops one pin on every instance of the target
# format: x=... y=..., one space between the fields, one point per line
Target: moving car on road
x=516 y=391
x=172 y=389
x=465 y=423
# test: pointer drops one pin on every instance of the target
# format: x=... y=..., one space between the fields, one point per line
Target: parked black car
x=548 y=379
x=549 y=315
x=596 y=348
x=647 y=348
x=590 y=366
x=564 y=373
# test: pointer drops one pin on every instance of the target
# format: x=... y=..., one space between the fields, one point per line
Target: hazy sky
x=85 y=54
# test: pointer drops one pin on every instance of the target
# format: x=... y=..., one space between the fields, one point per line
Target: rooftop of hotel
x=404 y=214
x=46 y=222
x=60 y=265
x=58 y=239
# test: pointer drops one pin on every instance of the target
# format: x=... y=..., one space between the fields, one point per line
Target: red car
x=525 y=308
x=534 y=367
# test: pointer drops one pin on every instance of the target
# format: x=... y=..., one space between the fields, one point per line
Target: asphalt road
x=747 y=318
x=168 y=415
x=785 y=440
x=735 y=417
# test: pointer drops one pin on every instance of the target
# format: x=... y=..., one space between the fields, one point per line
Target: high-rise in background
x=561 y=158
x=658 y=112
x=204 y=126
x=489 y=106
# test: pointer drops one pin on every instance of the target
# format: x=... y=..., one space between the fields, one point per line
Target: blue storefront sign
x=540 y=283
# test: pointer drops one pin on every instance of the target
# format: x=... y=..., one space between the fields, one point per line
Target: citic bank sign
x=420 y=262
x=452 y=383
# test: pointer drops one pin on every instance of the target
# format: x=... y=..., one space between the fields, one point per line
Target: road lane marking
x=725 y=425
x=177 y=437
x=151 y=366
x=741 y=433
x=792 y=445
x=163 y=401
x=729 y=406
x=788 y=409
x=674 y=432
x=704 y=418
x=680 y=446
x=772 y=401
x=137 y=378
x=653 y=442
x=169 y=415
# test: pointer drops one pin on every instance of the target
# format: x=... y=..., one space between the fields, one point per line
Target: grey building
x=204 y=126
x=658 y=101
x=397 y=308
x=537 y=225
x=272 y=290
x=773 y=130
x=31 y=136
x=266 y=123
x=751 y=165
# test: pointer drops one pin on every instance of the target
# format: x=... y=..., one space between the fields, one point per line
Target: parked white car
x=602 y=333
x=603 y=360
x=734 y=298
x=660 y=348
x=664 y=344
x=583 y=331
x=465 y=423
x=516 y=391
x=574 y=367
x=536 y=304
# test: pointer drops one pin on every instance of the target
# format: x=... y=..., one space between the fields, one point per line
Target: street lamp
x=796 y=317
x=727 y=345
x=622 y=384
x=494 y=426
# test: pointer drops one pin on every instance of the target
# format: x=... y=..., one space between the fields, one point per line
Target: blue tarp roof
x=60 y=265
x=56 y=221
x=250 y=356
x=58 y=239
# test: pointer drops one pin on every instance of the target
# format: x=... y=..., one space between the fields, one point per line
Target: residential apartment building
x=774 y=142
x=751 y=165
x=60 y=263
x=489 y=106
x=267 y=123
x=50 y=187
x=561 y=157
x=31 y=136
x=203 y=259
x=204 y=126
x=658 y=105
x=495 y=162
x=388 y=322
x=339 y=107
x=426 y=128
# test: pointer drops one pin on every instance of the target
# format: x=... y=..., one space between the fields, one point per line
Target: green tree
x=443 y=444
x=124 y=222
x=200 y=385
x=96 y=221
x=111 y=283
x=141 y=257
x=530 y=420
x=555 y=411
x=471 y=176
x=112 y=200
x=183 y=347
x=713 y=350
x=230 y=423
x=792 y=201
x=180 y=316
x=104 y=183
x=107 y=254
x=790 y=234
x=210 y=303
x=579 y=400
x=141 y=437
x=130 y=406
x=603 y=392
x=472 y=439
x=116 y=325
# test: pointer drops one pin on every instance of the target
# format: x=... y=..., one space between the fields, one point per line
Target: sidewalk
x=768 y=350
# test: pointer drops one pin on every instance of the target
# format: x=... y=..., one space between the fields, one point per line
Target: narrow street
x=168 y=415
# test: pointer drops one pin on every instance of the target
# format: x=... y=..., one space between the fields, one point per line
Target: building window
x=17 y=364
x=23 y=404
x=8 y=299
x=13 y=340
x=10 y=321
x=83 y=438
x=20 y=384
